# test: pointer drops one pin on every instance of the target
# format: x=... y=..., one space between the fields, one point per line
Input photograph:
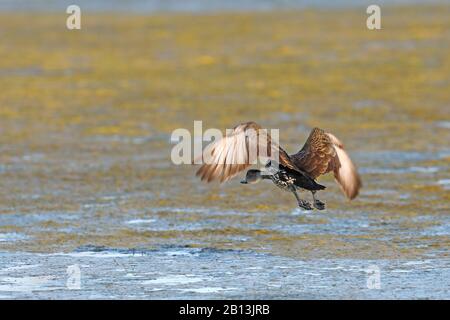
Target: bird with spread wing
x=321 y=154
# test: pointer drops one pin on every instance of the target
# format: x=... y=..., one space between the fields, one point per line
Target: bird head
x=252 y=177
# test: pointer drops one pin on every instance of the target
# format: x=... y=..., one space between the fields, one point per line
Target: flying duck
x=321 y=154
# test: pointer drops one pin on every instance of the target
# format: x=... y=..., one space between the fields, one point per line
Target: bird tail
x=309 y=183
x=318 y=186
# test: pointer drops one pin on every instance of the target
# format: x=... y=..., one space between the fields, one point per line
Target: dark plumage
x=322 y=153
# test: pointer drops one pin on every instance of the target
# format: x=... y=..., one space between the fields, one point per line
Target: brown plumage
x=322 y=153
x=225 y=158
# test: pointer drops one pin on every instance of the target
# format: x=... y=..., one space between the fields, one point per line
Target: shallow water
x=183 y=273
x=86 y=177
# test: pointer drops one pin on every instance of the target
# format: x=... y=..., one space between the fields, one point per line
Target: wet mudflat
x=86 y=177
x=183 y=273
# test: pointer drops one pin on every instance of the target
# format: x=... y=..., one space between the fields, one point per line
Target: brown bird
x=322 y=153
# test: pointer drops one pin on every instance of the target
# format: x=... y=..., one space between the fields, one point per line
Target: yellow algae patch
x=205 y=60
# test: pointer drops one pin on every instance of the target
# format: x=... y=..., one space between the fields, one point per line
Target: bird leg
x=319 y=205
x=302 y=203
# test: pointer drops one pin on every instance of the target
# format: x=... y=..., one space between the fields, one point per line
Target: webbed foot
x=305 y=205
x=319 y=205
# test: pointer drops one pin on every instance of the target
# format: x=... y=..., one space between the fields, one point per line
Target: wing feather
x=225 y=158
x=323 y=153
x=345 y=171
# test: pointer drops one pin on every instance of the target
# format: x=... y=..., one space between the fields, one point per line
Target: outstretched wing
x=322 y=153
x=225 y=158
